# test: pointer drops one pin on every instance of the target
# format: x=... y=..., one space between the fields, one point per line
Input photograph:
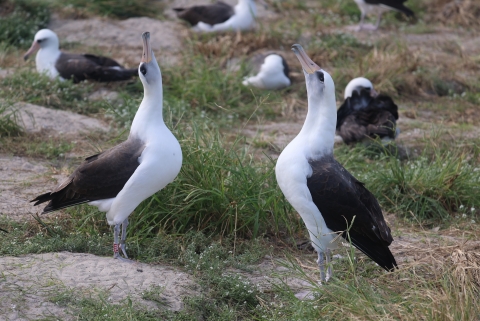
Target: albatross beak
x=147 y=49
x=308 y=65
x=35 y=46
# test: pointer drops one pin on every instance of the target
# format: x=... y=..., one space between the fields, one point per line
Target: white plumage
x=271 y=74
x=243 y=19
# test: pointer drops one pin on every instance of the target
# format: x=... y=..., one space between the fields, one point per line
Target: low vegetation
x=224 y=213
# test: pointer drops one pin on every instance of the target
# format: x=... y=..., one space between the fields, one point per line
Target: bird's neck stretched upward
x=318 y=131
x=150 y=113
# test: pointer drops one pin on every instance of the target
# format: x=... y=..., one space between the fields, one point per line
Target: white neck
x=149 y=116
x=45 y=60
x=319 y=127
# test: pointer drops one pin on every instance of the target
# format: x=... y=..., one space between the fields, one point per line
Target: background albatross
x=327 y=197
x=365 y=113
x=55 y=63
x=220 y=16
x=120 y=178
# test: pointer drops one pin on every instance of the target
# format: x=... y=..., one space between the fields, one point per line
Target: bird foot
x=116 y=253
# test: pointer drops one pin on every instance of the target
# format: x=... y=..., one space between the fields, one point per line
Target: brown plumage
x=81 y=67
x=101 y=176
x=342 y=199
x=211 y=14
x=362 y=116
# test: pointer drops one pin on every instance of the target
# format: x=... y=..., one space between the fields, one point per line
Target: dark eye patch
x=320 y=75
x=39 y=40
x=143 y=70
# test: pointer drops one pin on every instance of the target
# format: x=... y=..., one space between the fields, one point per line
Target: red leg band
x=115 y=247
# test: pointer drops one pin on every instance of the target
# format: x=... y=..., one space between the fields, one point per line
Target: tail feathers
x=57 y=202
x=379 y=253
x=42 y=198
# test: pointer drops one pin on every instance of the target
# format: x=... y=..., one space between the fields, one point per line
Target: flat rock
x=123 y=37
x=28 y=282
x=35 y=118
x=21 y=180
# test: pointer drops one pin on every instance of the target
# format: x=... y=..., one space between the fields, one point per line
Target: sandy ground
x=28 y=281
x=21 y=179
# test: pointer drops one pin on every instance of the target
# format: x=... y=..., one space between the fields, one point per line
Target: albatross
x=272 y=72
x=365 y=113
x=55 y=63
x=220 y=16
x=379 y=7
x=120 y=178
x=332 y=203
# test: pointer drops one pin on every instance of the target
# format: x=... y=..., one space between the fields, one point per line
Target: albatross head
x=148 y=70
x=44 y=38
x=357 y=84
x=320 y=85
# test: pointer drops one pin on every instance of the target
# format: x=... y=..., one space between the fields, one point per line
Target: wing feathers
x=101 y=176
x=211 y=14
x=81 y=67
x=342 y=199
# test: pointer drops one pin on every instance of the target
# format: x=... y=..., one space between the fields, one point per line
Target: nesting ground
x=431 y=69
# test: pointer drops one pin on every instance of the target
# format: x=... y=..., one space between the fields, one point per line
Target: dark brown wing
x=358 y=101
x=394 y=4
x=211 y=14
x=81 y=67
x=100 y=177
x=341 y=199
x=362 y=116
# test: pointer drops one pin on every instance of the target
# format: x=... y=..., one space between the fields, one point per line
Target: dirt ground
x=29 y=279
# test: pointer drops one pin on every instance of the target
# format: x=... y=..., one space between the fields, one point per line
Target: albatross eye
x=143 y=70
x=319 y=75
x=39 y=40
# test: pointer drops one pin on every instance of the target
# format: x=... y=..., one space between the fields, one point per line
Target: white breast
x=292 y=170
x=45 y=61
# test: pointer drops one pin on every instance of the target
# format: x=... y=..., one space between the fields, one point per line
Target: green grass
x=233 y=195
x=9 y=126
x=37 y=145
x=427 y=188
x=23 y=18
x=35 y=88
x=120 y=9
x=420 y=291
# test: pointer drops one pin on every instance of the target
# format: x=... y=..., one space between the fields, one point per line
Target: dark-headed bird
x=220 y=16
x=55 y=63
x=271 y=70
x=331 y=202
x=120 y=178
x=379 y=7
x=365 y=114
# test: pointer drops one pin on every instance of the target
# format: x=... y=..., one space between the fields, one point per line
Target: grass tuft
x=433 y=186
x=120 y=9
x=20 y=20
x=9 y=126
x=36 y=88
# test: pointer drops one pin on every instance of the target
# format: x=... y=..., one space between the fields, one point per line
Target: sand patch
x=28 y=282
